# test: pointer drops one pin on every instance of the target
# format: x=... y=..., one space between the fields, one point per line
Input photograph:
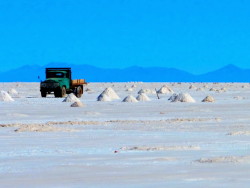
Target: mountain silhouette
x=30 y=73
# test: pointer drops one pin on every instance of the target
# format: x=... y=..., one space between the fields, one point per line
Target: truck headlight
x=43 y=84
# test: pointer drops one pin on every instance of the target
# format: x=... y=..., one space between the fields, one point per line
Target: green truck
x=59 y=82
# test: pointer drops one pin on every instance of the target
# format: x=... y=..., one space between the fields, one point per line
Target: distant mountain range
x=229 y=73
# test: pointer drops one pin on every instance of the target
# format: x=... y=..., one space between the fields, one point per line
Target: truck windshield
x=55 y=75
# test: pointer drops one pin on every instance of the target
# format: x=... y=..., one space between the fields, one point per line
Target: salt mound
x=144 y=91
x=13 y=92
x=212 y=89
x=173 y=97
x=71 y=98
x=129 y=98
x=5 y=97
x=223 y=89
x=104 y=98
x=165 y=89
x=208 y=99
x=133 y=86
x=200 y=89
x=110 y=93
x=192 y=87
x=129 y=89
x=183 y=97
x=147 y=91
x=142 y=97
x=77 y=104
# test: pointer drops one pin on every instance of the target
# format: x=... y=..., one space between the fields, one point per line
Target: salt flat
x=47 y=143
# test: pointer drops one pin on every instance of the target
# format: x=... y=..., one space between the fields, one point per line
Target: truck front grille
x=50 y=85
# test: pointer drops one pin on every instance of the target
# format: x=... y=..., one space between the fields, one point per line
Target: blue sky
x=193 y=35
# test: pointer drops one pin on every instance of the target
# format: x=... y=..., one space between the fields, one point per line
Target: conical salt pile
x=212 y=89
x=164 y=90
x=13 y=92
x=133 y=86
x=129 y=89
x=77 y=104
x=148 y=91
x=173 y=97
x=5 y=97
x=183 y=97
x=110 y=93
x=223 y=89
x=103 y=98
x=142 y=97
x=142 y=91
x=71 y=98
x=129 y=98
x=208 y=99
x=200 y=89
x=192 y=87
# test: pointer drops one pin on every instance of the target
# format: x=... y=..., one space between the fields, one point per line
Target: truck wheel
x=78 y=92
x=63 y=92
x=60 y=92
x=43 y=93
x=57 y=92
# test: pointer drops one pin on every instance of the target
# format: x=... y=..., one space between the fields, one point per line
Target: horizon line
x=228 y=65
